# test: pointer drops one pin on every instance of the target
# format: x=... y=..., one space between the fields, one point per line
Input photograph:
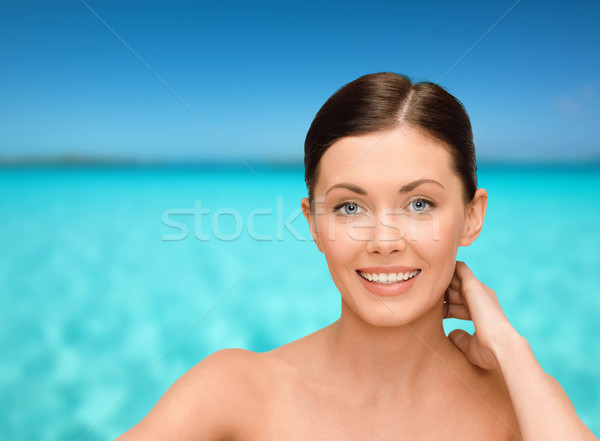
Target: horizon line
x=86 y=161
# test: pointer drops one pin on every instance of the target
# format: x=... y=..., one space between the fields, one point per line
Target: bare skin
x=385 y=370
x=320 y=399
x=300 y=391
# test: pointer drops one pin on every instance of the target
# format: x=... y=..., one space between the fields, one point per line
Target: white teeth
x=388 y=278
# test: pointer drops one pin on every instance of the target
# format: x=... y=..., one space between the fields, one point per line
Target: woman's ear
x=474 y=216
x=312 y=222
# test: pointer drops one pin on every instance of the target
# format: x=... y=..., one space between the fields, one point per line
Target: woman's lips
x=388 y=281
x=387 y=269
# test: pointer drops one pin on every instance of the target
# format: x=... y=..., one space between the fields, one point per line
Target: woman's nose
x=388 y=235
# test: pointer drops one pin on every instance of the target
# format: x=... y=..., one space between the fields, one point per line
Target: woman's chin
x=390 y=315
x=387 y=317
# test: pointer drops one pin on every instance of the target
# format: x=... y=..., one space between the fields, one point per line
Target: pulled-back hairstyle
x=381 y=101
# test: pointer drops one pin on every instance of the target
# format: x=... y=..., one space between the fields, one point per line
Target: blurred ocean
x=102 y=309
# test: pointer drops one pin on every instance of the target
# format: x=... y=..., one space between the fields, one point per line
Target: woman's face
x=389 y=215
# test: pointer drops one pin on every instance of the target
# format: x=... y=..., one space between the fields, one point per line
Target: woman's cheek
x=334 y=239
x=438 y=246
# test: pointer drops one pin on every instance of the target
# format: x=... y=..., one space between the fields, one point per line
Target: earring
x=446 y=303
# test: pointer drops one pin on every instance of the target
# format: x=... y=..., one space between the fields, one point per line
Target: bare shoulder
x=490 y=393
x=206 y=402
x=229 y=395
x=501 y=405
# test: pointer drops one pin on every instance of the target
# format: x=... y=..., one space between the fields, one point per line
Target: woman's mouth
x=388 y=278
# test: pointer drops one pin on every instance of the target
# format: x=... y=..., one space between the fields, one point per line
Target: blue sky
x=256 y=74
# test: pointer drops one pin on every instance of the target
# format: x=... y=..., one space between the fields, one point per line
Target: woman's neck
x=384 y=359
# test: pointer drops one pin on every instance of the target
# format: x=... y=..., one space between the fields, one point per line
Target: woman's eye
x=347 y=208
x=420 y=205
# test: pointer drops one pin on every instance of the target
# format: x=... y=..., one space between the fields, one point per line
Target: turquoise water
x=92 y=296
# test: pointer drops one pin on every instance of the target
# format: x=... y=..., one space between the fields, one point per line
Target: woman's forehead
x=385 y=157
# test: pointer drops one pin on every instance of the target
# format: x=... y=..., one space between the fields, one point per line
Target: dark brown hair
x=382 y=101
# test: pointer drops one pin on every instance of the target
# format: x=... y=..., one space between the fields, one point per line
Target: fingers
x=454 y=295
x=460 y=312
x=463 y=272
x=457 y=278
x=461 y=339
x=457 y=305
x=468 y=284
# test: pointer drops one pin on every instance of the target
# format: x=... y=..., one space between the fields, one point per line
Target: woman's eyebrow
x=404 y=189
x=412 y=185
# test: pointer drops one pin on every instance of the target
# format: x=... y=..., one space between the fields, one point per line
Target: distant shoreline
x=90 y=161
x=76 y=161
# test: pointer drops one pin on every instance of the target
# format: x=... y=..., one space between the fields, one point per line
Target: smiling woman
x=392 y=195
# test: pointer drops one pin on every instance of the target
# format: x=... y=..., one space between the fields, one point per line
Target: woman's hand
x=469 y=299
x=543 y=409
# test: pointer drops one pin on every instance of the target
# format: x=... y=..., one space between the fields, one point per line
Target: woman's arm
x=200 y=405
x=543 y=409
